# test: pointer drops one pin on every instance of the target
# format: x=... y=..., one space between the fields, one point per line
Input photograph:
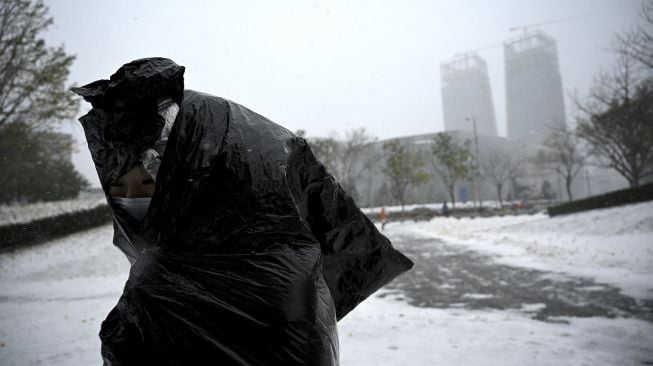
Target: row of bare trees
x=451 y=161
x=446 y=162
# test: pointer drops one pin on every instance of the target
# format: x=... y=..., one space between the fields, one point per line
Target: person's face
x=135 y=183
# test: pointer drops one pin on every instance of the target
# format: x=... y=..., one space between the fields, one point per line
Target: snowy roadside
x=613 y=245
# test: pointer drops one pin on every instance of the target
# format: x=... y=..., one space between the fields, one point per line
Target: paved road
x=447 y=276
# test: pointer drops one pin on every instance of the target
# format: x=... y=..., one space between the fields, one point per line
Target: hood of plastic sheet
x=124 y=121
x=247 y=241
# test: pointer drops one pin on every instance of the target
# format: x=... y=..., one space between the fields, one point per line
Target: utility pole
x=470 y=161
x=476 y=168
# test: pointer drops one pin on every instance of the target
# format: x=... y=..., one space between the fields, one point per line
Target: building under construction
x=534 y=94
x=466 y=95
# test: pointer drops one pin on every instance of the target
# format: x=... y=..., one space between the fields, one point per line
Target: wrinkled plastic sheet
x=250 y=251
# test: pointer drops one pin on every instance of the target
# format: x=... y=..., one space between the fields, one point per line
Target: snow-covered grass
x=613 y=245
x=18 y=214
x=53 y=298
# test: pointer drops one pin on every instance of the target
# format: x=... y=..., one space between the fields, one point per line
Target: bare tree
x=403 y=168
x=32 y=75
x=616 y=120
x=354 y=155
x=327 y=150
x=562 y=154
x=452 y=161
x=346 y=158
x=637 y=43
x=497 y=167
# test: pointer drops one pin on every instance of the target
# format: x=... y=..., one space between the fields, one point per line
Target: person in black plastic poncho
x=244 y=251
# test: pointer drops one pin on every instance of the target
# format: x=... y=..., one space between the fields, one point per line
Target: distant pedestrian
x=445 y=209
x=384 y=218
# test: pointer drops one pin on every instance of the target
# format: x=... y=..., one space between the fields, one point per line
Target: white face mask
x=135 y=207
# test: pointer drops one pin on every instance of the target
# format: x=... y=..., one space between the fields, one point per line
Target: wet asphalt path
x=447 y=276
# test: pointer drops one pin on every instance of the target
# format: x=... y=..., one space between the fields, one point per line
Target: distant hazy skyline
x=329 y=66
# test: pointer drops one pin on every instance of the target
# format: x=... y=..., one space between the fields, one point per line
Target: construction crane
x=525 y=28
x=476 y=50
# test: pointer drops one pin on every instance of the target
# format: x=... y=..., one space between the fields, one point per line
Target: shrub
x=37 y=231
x=615 y=198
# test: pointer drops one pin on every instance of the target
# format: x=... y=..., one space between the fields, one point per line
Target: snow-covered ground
x=388 y=332
x=15 y=214
x=613 y=245
x=53 y=298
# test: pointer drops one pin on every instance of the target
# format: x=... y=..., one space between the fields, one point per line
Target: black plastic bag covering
x=250 y=250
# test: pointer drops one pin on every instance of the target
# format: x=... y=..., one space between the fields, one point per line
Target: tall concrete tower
x=534 y=95
x=466 y=94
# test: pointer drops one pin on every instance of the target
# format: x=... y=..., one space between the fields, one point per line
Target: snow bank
x=613 y=245
x=17 y=214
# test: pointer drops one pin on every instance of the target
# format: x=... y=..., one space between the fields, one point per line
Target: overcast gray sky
x=329 y=66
